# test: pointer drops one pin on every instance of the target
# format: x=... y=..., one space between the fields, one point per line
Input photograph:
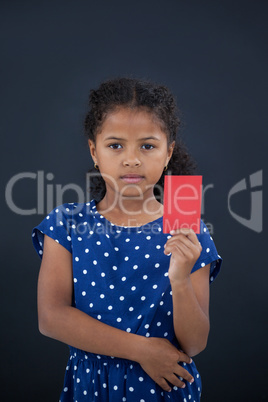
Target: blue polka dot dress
x=120 y=277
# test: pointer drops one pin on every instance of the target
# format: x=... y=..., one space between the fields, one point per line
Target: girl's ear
x=170 y=150
x=92 y=148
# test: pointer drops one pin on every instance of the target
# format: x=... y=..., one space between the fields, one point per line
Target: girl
x=131 y=301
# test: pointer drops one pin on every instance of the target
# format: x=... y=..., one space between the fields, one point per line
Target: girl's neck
x=126 y=211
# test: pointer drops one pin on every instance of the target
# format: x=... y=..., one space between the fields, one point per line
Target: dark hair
x=144 y=95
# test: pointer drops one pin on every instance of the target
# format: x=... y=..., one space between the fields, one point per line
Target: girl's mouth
x=132 y=178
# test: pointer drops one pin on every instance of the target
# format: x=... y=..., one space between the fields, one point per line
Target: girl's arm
x=190 y=292
x=59 y=320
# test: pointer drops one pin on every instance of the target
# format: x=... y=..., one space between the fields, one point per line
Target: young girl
x=131 y=301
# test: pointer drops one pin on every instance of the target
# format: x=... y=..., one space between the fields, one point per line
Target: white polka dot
x=128 y=329
x=76 y=258
x=145 y=277
x=85 y=392
x=95 y=262
x=111 y=286
x=205 y=229
x=99 y=317
x=51 y=228
x=79 y=238
x=93 y=283
x=78 y=380
x=84 y=271
x=96 y=393
x=115 y=387
x=141 y=378
x=139 y=317
x=137 y=247
x=91 y=305
x=166 y=274
x=84 y=293
x=65 y=389
x=110 y=307
x=147 y=334
x=104 y=385
x=126 y=258
x=158 y=324
x=208 y=250
x=102 y=296
x=114 y=268
x=98 y=243
x=40 y=252
x=119 y=319
x=123 y=278
x=121 y=298
x=87 y=370
x=203 y=264
x=147 y=255
x=69 y=238
x=154 y=286
x=86 y=250
x=73 y=226
x=75 y=280
x=148 y=237
x=169 y=312
x=127 y=240
x=146 y=326
x=157 y=265
x=131 y=389
x=61 y=223
x=135 y=266
x=158 y=246
x=152 y=305
x=133 y=288
x=131 y=308
x=143 y=298
x=116 y=249
x=48 y=217
x=103 y=274
x=152 y=391
x=161 y=303
x=106 y=254
x=166 y=334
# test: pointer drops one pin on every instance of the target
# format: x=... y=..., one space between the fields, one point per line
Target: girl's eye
x=147 y=146
x=115 y=146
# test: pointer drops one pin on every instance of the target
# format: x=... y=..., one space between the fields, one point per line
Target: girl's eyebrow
x=141 y=139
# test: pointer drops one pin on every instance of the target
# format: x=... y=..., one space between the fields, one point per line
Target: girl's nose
x=131 y=160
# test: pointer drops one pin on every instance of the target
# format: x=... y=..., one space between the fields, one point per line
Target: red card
x=182 y=203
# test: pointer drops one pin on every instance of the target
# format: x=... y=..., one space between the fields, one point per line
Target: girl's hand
x=186 y=249
x=160 y=361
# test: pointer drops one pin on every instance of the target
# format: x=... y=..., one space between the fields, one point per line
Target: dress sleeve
x=209 y=254
x=57 y=225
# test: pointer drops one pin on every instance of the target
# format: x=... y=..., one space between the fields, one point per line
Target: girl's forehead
x=131 y=121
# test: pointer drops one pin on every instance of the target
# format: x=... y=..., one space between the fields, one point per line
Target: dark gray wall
x=213 y=56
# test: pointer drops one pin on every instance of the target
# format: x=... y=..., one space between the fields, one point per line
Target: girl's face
x=131 y=151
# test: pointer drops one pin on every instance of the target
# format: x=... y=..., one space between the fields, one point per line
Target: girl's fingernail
x=183 y=386
x=192 y=380
x=169 y=390
x=172 y=231
x=191 y=361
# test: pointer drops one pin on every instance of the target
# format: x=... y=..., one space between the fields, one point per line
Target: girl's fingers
x=174 y=380
x=163 y=384
x=181 y=372
x=188 y=233
x=184 y=358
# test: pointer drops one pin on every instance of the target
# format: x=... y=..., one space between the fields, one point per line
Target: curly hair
x=143 y=95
